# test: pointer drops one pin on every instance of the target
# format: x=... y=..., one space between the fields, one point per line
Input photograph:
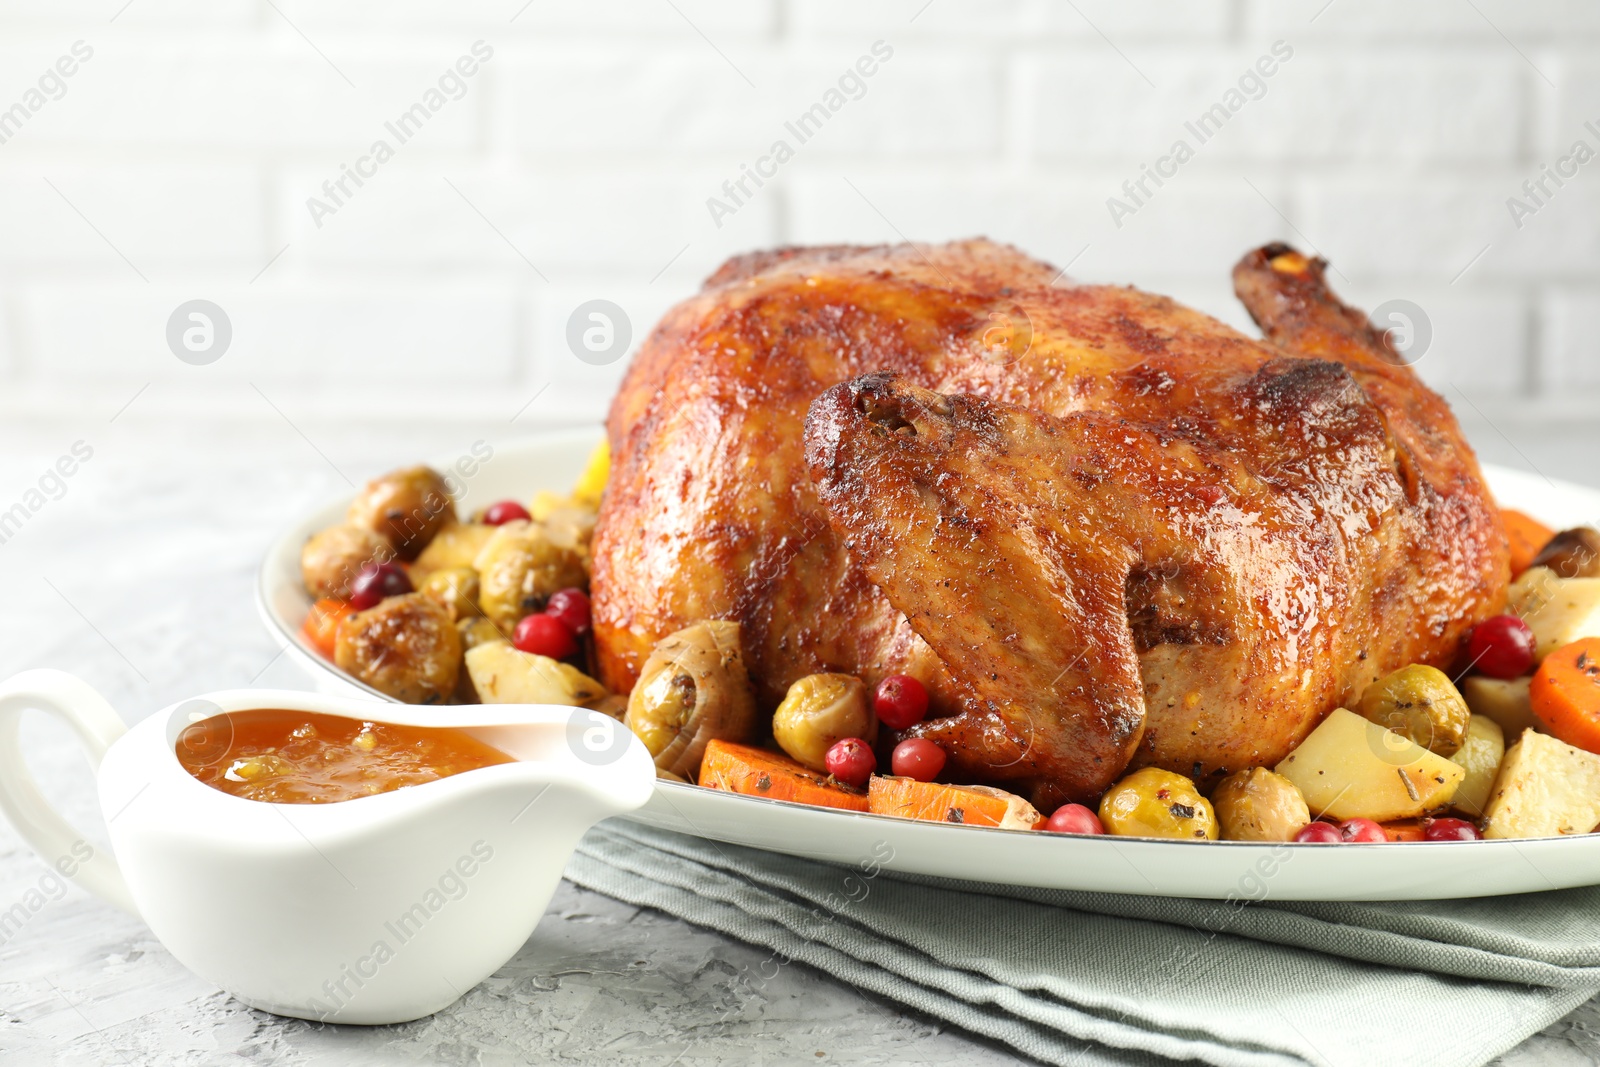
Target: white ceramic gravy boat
x=375 y=910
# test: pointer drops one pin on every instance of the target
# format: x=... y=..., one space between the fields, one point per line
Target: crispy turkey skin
x=1104 y=529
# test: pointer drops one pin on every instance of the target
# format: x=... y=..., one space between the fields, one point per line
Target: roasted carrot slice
x=756 y=772
x=969 y=805
x=1565 y=693
x=1526 y=535
x=1403 y=830
x=322 y=623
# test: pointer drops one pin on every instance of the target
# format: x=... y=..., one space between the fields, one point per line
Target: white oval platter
x=1215 y=870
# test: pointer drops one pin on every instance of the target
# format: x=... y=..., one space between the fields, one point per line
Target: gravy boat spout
x=380 y=909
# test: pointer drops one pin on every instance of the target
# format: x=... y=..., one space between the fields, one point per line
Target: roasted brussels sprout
x=332 y=557
x=1156 y=803
x=406 y=647
x=1420 y=704
x=819 y=710
x=1572 y=553
x=406 y=506
x=1259 y=805
x=519 y=568
x=457 y=589
x=694 y=688
x=457 y=545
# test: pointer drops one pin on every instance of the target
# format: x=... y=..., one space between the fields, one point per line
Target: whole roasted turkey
x=1104 y=529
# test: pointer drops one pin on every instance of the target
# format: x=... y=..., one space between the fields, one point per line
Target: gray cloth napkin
x=1095 y=978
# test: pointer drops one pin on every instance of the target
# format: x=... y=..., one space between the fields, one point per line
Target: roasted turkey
x=1106 y=530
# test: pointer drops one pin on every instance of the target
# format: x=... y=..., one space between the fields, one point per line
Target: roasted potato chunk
x=407 y=647
x=1352 y=768
x=406 y=506
x=1480 y=757
x=1507 y=702
x=1546 y=788
x=1559 y=610
x=1259 y=805
x=457 y=545
x=457 y=589
x=505 y=675
x=332 y=557
x=519 y=568
x=1420 y=704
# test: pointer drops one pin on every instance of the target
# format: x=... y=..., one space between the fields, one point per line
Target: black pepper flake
x=1181 y=811
x=764 y=782
x=955 y=815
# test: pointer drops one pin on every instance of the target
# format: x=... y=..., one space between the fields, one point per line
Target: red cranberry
x=544 y=636
x=917 y=757
x=375 y=581
x=1362 y=832
x=504 y=511
x=571 y=606
x=851 y=761
x=1502 y=647
x=1319 y=833
x=900 y=701
x=1450 y=830
x=1074 y=819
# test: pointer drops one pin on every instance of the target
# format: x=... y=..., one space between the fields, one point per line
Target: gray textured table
x=139 y=579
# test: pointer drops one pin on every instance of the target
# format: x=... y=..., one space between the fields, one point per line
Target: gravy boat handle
x=98 y=726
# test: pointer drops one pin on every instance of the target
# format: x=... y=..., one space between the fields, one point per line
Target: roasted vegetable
x=1156 y=803
x=477 y=631
x=407 y=647
x=1480 y=758
x=1259 y=805
x=1565 y=694
x=332 y=557
x=1350 y=768
x=519 y=567
x=1559 y=610
x=406 y=506
x=1419 y=703
x=758 y=773
x=966 y=805
x=1546 y=788
x=457 y=545
x=506 y=675
x=693 y=689
x=457 y=589
x=1526 y=536
x=592 y=482
x=819 y=710
x=1573 y=553
x=322 y=623
x=1504 y=701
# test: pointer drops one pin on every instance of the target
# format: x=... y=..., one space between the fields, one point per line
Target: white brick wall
x=578 y=161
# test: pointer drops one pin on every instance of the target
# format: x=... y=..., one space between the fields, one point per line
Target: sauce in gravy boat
x=378 y=909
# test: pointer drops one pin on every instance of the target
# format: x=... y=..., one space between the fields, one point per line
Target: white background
x=429 y=310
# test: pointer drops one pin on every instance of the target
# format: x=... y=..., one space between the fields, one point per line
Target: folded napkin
x=1097 y=978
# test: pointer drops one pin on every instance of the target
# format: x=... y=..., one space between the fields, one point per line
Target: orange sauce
x=302 y=757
